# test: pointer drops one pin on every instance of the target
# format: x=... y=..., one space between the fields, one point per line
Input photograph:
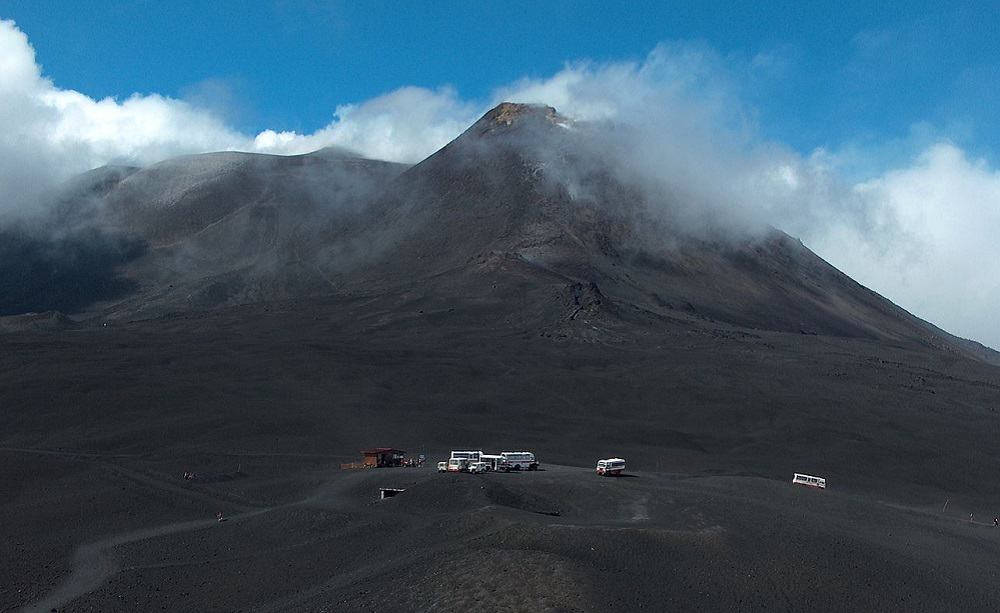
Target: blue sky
x=867 y=130
x=855 y=72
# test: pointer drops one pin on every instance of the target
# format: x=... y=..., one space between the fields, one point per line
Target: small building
x=382 y=457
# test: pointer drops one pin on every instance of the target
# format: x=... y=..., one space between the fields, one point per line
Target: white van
x=519 y=460
x=612 y=467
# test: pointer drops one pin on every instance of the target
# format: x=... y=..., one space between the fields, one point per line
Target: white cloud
x=943 y=260
x=405 y=125
x=921 y=234
x=48 y=134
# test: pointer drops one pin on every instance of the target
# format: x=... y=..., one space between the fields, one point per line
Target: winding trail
x=93 y=565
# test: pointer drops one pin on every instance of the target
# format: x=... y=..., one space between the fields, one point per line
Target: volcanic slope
x=496 y=207
x=509 y=292
x=523 y=198
x=231 y=228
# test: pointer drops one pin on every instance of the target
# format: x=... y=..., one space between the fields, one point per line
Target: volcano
x=514 y=290
x=520 y=204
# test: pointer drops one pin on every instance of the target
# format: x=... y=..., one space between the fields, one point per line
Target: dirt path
x=82 y=455
x=93 y=563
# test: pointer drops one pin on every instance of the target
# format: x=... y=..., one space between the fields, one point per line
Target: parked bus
x=472 y=456
x=458 y=465
x=809 y=480
x=520 y=460
x=612 y=467
x=495 y=462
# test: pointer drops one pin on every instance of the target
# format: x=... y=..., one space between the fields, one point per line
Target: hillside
x=522 y=197
x=260 y=319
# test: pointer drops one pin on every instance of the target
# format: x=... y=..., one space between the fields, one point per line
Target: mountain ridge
x=521 y=183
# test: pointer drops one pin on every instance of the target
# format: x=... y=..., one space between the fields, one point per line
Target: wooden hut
x=382 y=457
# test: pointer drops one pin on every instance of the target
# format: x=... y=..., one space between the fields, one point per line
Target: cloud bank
x=48 y=134
x=920 y=233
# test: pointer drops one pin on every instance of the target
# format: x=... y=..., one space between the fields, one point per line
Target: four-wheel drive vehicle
x=520 y=460
x=612 y=467
x=478 y=467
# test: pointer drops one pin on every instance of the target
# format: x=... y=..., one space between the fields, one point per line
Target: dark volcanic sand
x=100 y=424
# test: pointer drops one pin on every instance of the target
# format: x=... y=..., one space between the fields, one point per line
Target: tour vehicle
x=612 y=467
x=493 y=462
x=472 y=456
x=809 y=480
x=477 y=468
x=520 y=460
x=458 y=465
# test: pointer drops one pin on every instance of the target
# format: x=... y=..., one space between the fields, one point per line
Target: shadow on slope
x=69 y=272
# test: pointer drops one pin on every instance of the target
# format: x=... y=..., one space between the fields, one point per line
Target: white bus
x=612 y=467
x=472 y=456
x=495 y=462
x=458 y=465
x=809 y=480
x=520 y=460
